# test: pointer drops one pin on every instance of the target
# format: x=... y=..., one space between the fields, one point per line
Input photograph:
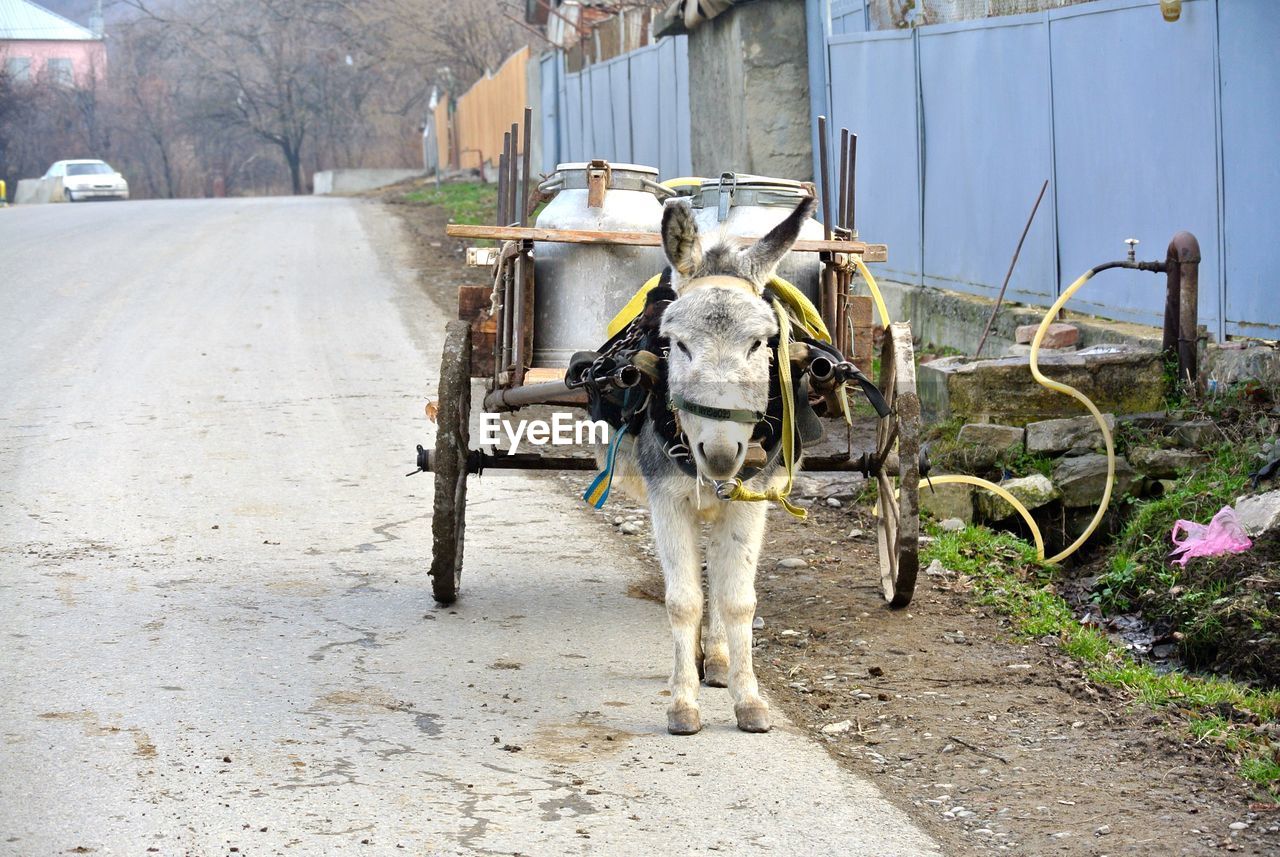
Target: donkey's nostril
x=702 y=449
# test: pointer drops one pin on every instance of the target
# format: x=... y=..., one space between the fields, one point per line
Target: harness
x=626 y=385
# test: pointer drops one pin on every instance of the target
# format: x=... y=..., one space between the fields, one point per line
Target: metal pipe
x=852 y=222
x=520 y=276
x=545 y=393
x=524 y=178
x=843 y=198
x=479 y=460
x=1017 y=251
x=827 y=299
x=826 y=176
x=513 y=164
x=1172 y=303
x=508 y=296
x=502 y=179
x=1189 y=306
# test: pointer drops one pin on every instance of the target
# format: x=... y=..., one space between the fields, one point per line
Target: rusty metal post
x=851 y=220
x=827 y=298
x=513 y=180
x=1172 y=303
x=524 y=172
x=503 y=161
x=1188 y=249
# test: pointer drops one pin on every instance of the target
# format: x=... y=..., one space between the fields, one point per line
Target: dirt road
x=217 y=629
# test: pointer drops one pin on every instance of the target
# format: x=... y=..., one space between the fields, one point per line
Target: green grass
x=1006 y=574
x=466 y=202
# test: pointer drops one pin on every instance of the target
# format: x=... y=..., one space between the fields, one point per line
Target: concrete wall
x=757 y=49
x=354 y=181
x=34 y=191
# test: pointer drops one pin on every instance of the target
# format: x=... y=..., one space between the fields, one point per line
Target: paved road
x=216 y=623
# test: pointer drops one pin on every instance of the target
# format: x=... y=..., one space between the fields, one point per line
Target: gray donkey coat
x=718 y=328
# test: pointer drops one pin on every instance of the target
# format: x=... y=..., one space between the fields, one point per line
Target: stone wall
x=758 y=48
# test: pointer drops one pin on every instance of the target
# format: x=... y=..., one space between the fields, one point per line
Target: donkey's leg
x=731 y=573
x=715 y=651
x=675 y=532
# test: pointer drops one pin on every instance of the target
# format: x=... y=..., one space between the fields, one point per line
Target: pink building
x=36 y=44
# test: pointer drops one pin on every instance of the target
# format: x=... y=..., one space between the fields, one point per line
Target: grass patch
x=466 y=202
x=1006 y=574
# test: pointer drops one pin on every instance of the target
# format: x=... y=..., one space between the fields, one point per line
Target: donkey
x=695 y=441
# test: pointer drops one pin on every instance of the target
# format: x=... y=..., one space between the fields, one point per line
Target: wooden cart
x=493 y=339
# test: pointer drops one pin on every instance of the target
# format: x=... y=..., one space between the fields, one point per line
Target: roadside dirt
x=990 y=744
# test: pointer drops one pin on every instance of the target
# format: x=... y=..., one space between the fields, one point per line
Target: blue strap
x=598 y=491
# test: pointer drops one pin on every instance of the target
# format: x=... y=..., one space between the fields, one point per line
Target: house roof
x=24 y=20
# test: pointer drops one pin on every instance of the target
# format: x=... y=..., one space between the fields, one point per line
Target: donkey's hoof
x=683 y=721
x=752 y=717
x=715 y=673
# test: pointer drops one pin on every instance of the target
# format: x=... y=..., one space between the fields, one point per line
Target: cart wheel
x=449 y=462
x=898 y=446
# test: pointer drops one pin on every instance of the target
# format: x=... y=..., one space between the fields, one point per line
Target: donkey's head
x=718 y=366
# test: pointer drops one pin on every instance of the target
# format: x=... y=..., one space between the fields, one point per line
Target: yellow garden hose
x=1044 y=382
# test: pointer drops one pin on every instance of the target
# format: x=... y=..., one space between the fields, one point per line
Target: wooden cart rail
x=868 y=252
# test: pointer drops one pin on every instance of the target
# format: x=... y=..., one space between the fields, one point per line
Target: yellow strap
x=875 y=290
x=634 y=307
x=684 y=181
x=780 y=495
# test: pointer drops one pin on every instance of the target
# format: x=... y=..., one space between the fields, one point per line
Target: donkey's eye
x=755 y=346
x=685 y=349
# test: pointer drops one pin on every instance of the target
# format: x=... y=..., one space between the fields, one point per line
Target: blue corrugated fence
x=1142 y=127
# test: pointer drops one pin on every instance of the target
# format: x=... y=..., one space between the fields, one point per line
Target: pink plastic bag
x=1223 y=535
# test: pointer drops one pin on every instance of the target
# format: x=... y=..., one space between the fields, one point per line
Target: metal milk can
x=749 y=205
x=578 y=288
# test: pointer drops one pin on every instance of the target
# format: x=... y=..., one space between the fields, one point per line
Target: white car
x=88 y=180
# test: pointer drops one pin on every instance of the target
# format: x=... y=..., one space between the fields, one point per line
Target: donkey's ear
x=680 y=237
x=765 y=255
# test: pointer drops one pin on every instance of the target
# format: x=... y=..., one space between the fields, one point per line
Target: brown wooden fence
x=470 y=133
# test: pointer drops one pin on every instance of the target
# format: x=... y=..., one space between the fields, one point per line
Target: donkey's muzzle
x=721 y=461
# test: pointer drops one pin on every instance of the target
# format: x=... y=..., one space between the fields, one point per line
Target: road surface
x=218 y=635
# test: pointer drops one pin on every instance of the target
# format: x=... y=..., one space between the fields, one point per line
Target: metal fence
x=1142 y=127
x=631 y=109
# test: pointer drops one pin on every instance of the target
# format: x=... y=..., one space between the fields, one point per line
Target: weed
x=1006 y=574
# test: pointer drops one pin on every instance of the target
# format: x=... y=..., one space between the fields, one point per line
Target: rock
x=1102 y=831
x=631 y=528
x=951 y=525
x=1227 y=364
x=1082 y=480
x=1259 y=513
x=1063 y=434
x=1059 y=335
x=1238 y=825
x=757 y=624
x=948 y=501
x=1163 y=463
x=937 y=569
x=1119 y=379
x=855 y=533
x=834 y=503
x=837 y=728
x=792 y=562
x=992 y=436
x=1033 y=491
x=1196 y=433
